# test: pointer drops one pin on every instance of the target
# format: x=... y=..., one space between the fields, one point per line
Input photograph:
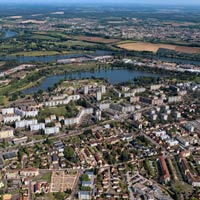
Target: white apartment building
x=51 y=130
x=11 y=118
x=7 y=111
x=25 y=123
x=37 y=127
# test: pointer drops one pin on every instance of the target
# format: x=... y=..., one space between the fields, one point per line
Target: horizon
x=116 y=2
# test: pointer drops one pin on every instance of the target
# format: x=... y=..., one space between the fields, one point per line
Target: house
x=194 y=181
x=7 y=197
x=55 y=158
x=10 y=156
x=137 y=116
x=172 y=142
x=165 y=172
x=12 y=174
x=6 y=133
x=29 y=172
x=185 y=153
x=21 y=140
x=41 y=187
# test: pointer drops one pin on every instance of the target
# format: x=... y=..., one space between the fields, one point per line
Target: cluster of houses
x=192 y=178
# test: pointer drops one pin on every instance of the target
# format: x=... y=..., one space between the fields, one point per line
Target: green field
x=44 y=43
x=58 y=111
x=3 y=100
x=36 y=53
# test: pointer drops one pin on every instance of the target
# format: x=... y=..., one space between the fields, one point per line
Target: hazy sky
x=179 y=2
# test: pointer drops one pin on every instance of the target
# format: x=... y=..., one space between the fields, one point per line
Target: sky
x=178 y=2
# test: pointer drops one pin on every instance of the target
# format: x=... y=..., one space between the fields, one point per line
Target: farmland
x=145 y=46
x=96 y=39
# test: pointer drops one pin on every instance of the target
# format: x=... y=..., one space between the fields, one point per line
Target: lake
x=9 y=34
x=113 y=76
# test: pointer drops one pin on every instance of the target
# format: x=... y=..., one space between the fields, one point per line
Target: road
x=131 y=197
x=30 y=190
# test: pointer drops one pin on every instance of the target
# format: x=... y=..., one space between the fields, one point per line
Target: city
x=99 y=104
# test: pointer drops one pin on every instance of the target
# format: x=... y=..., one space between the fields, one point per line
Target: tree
x=85 y=177
x=124 y=156
x=69 y=153
x=59 y=195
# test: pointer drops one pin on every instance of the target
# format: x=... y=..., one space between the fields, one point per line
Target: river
x=46 y=59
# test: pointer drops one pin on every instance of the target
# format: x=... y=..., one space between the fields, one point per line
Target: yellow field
x=145 y=46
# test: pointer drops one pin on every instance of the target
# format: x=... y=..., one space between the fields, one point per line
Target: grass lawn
x=52 y=34
x=58 y=111
x=47 y=177
x=182 y=187
x=15 y=86
x=44 y=37
x=3 y=100
x=36 y=53
x=197 y=80
x=44 y=177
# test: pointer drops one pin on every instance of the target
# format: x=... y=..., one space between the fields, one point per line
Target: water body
x=54 y=58
x=46 y=59
x=9 y=34
x=25 y=59
x=177 y=60
x=113 y=76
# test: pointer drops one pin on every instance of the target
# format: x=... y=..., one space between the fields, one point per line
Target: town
x=88 y=139
x=99 y=101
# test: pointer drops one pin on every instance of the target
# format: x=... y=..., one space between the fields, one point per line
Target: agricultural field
x=72 y=43
x=96 y=39
x=145 y=46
